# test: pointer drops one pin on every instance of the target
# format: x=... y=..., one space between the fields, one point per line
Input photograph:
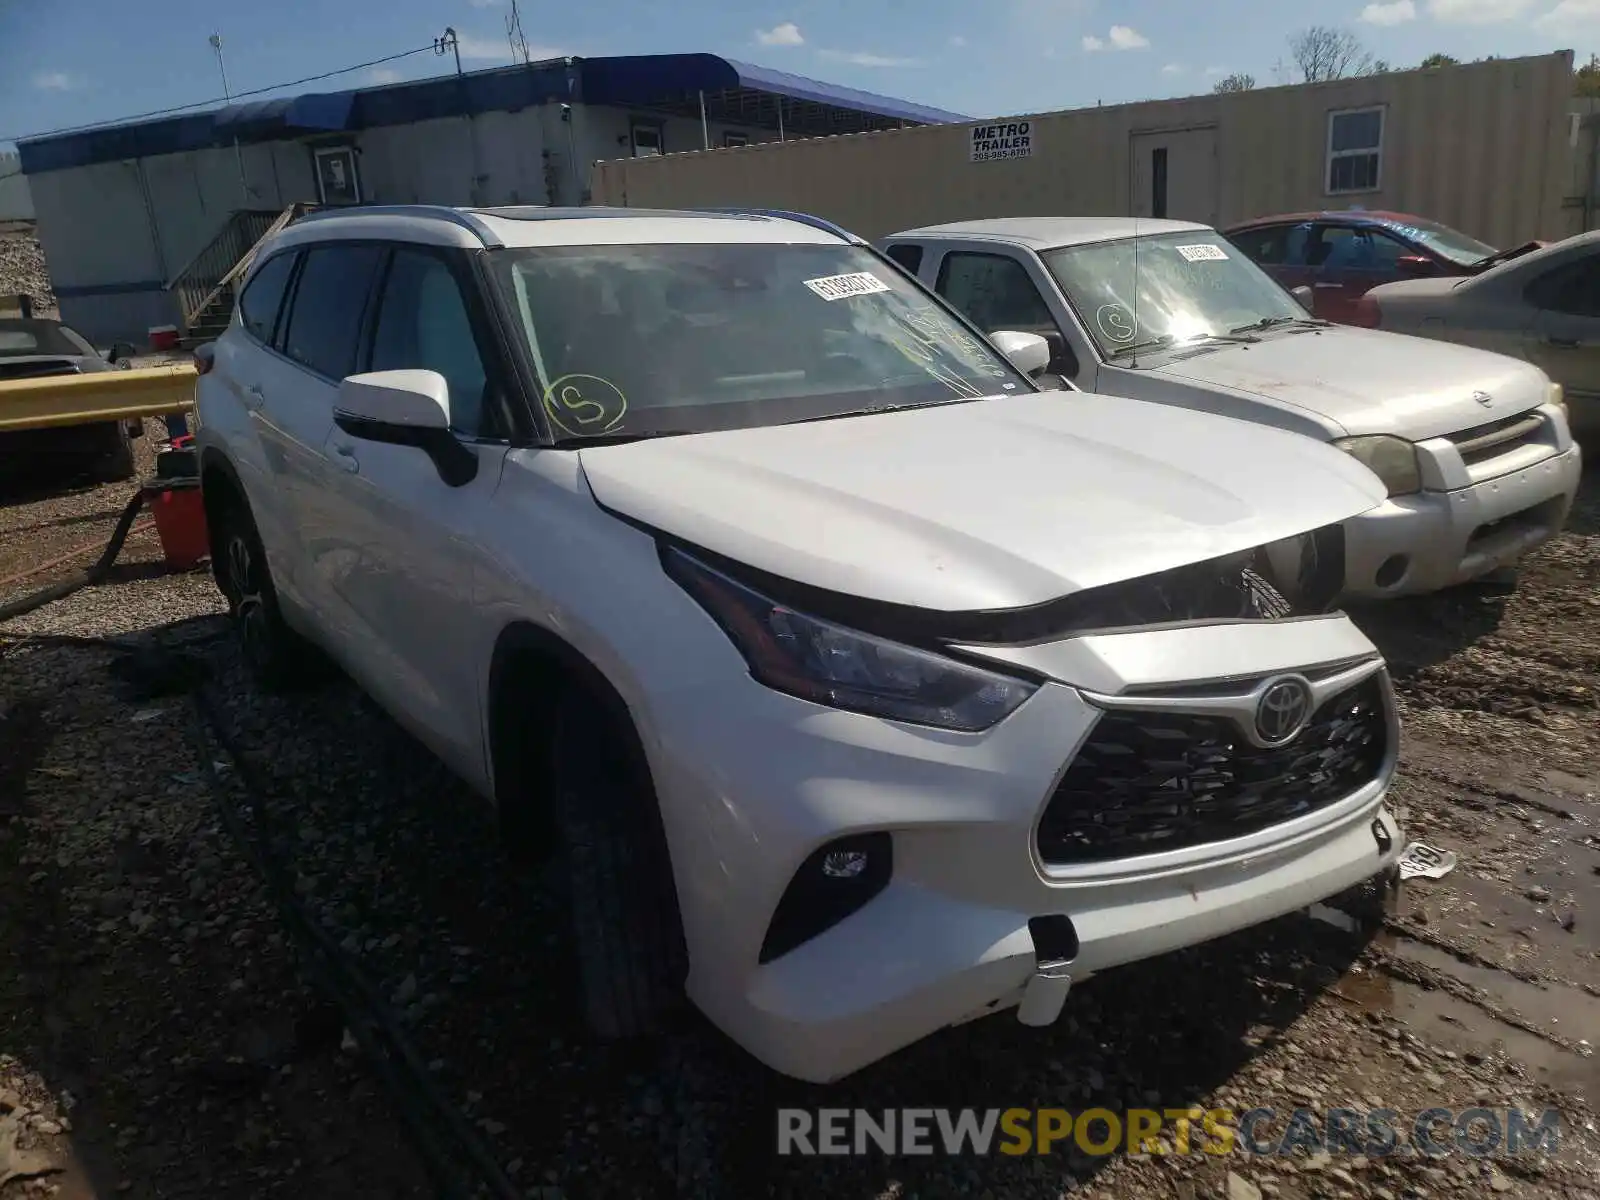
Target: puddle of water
x=1466 y=1028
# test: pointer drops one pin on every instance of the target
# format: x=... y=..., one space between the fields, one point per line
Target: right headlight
x=1391 y=459
x=829 y=664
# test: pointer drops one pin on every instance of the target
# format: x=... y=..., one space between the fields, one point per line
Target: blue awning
x=651 y=78
x=314 y=112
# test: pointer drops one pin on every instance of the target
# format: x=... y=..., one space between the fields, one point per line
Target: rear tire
x=116 y=464
x=274 y=654
x=624 y=904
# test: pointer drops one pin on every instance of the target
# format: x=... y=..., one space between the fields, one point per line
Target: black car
x=33 y=347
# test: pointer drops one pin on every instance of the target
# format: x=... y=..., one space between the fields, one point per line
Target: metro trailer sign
x=1002 y=139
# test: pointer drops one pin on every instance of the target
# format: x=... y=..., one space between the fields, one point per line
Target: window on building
x=324 y=322
x=647 y=139
x=908 y=255
x=1158 y=182
x=1355 y=150
x=263 y=296
x=995 y=293
x=733 y=138
x=424 y=324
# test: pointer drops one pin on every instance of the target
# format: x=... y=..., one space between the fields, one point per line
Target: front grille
x=1483 y=442
x=1147 y=782
x=35 y=370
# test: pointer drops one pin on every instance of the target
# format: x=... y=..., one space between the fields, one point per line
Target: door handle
x=254 y=397
x=1327 y=285
x=1562 y=343
x=346 y=457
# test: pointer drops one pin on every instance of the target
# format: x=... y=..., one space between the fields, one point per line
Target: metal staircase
x=206 y=287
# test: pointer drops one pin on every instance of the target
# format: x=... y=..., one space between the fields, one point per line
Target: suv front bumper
x=751 y=788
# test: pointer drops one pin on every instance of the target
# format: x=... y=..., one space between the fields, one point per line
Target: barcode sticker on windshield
x=1202 y=253
x=837 y=287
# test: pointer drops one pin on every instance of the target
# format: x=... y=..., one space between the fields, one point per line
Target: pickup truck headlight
x=1391 y=459
x=1558 y=397
x=825 y=663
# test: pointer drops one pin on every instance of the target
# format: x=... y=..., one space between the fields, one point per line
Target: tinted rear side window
x=263 y=296
x=329 y=301
x=907 y=255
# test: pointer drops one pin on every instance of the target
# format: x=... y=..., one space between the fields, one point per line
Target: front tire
x=624 y=905
x=274 y=654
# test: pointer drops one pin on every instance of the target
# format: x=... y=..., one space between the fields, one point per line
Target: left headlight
x=1391 y=459
x=829 y=664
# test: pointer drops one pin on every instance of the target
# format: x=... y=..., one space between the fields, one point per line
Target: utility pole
x=238 y=155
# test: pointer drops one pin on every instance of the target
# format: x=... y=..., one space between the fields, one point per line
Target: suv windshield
x=1191 y=287
x=637 y=340
x=1444 y=241
x=19 y=337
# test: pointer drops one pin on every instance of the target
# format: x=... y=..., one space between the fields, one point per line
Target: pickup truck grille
x=1147 y=782
x=1483 y=442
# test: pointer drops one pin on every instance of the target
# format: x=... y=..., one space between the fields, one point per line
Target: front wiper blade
x=873 y=410
x=1274 y=322
x=1156 y=343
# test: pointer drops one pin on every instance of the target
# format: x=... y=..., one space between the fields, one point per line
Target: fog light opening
x=1392 y=571
x=834 y=881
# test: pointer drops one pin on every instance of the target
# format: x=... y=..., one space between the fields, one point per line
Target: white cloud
x=1571 y=16
x=958 y=41
x=859 y=58
x=785 y=34
x=54 y=81
x=1398 y=12
x=1172 y=69
x=381 y=75
x=498 y=49
x=1121 y=37
x=1476 y=12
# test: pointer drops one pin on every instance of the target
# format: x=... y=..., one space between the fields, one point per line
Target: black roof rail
x=466 y=220
x=785 y=215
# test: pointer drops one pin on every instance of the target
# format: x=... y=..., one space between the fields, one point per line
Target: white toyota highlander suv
x=865 y=687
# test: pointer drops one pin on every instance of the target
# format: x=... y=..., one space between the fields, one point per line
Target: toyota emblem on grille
x=1483 y=398
x=1283 y=710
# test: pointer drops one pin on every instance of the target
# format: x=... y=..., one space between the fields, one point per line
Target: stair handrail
x=234 y=230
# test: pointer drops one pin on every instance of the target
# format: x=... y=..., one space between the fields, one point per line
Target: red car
x=1340 y=255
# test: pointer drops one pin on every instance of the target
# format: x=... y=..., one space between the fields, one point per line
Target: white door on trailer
x=1174 y=174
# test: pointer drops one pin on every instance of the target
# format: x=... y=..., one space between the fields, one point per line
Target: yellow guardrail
x=101 y=396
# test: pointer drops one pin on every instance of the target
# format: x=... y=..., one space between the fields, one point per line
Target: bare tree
x=1237 y=82
x=1322 y=53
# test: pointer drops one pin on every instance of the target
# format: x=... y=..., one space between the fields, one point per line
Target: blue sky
x=70 y=62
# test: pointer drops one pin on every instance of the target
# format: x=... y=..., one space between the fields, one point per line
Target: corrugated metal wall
x=1483 y=147
x=16 y=203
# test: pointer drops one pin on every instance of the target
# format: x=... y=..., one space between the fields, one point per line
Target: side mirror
x=406 y=408
x=1415 y=264
x=1304 y=294
x=1063 y=361
x=1027 y=352
x=120 y=352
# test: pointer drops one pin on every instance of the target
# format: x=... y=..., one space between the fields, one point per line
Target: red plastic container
x=180 y=520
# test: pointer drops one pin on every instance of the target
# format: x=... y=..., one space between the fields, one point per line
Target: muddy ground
x=158 y=1039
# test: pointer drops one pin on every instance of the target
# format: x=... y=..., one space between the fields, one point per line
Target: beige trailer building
x=1489 y=148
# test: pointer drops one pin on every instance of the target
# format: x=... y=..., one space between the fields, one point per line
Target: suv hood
x=989 y=504
x=1369 y=381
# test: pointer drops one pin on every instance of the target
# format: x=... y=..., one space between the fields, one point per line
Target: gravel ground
x=158 y=1042
x=22 y=267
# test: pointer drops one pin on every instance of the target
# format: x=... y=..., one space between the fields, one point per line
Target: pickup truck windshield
x=643 y=340
x=1192 y=287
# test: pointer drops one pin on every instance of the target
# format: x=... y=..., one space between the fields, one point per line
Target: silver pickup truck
x=1473 y=447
